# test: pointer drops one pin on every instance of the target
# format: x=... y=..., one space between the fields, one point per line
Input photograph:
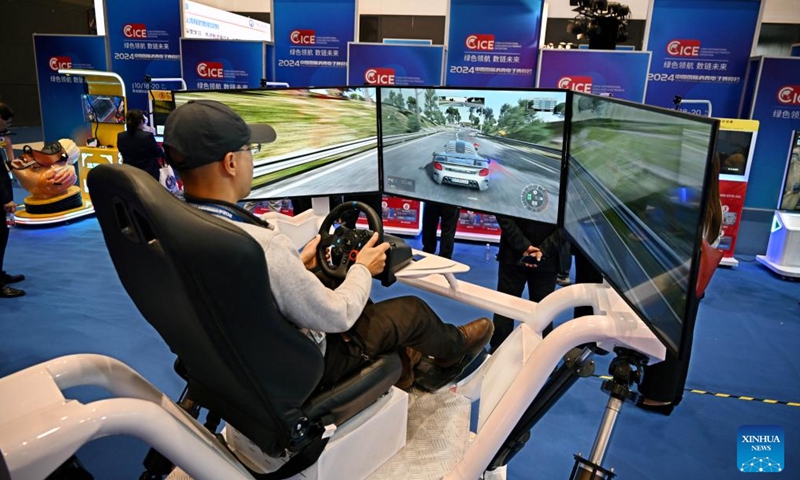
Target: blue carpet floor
x=745 y=340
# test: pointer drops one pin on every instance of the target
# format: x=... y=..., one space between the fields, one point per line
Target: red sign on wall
x=400 y=212
x=477 y=223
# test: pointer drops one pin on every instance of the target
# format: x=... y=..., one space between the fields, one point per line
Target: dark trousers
x=512 y=279
x=430 y=219
x=3 y=241
x=387 y=326
x=564 y=258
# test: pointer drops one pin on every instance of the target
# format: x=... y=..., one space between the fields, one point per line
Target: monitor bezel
x=683 y=348
x=450 y=87
x=379 y=147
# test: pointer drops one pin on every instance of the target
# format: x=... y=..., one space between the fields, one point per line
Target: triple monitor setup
x=624 y=182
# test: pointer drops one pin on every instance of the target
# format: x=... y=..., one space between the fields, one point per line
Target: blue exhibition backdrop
x=222 y=64
x=389 y=64
x=311 y=38
x=700 y=51
x=618 y=74
x=60 y=95
x=493 y=44
x=143 y=39
x=777 y=108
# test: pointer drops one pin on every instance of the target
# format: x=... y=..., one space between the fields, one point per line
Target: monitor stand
x=783 y=250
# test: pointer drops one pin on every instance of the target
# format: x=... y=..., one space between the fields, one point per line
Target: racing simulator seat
x=202 y=283
x=251 y=368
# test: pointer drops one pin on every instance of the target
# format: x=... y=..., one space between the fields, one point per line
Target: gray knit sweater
x=301 y=297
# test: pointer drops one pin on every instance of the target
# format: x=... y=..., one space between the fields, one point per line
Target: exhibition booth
x=615 y=150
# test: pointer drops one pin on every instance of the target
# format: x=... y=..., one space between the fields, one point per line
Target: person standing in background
x=431 y=216
x=7 y=199
x=528 y=255
x=138 y=146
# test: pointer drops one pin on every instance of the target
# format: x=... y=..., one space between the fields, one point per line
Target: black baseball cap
x=203 y=131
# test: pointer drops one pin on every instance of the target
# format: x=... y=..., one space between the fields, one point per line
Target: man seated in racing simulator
x=211 y=147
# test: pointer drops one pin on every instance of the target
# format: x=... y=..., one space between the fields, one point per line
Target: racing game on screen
x=326 y=139
x=488 y=150
x=633 y=203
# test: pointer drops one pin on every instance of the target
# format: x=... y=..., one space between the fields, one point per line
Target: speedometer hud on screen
x=489 y=150
x=633 y=202
x=326 y=139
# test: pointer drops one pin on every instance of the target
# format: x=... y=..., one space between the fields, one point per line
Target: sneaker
x=477 y=334
x=563 y=279
x=5 y=278
x=10 y=292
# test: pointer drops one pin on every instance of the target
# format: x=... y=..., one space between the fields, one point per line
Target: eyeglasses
x=252 y=148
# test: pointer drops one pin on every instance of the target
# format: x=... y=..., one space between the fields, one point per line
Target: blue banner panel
x=700 y=51
x=602 y=72
x=795 y=52
x=143 y=39
x=387 y=64
x=60 y=95
x=311 y=38
x=493 y=44
x=221 y=64
x=777 y=108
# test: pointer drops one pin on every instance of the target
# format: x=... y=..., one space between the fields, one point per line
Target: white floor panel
x=438 y=436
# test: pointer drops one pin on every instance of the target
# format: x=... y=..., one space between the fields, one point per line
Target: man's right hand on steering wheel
x=373 y=256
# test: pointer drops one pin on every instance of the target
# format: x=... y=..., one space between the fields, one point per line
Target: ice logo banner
x=210 y=70
x=57 y=63
x=789 y=95
x=479 y=43
x=60 y=95
x=613 y=73
x=135 y=30
x=501 y=51
x=700 y=52
x=303 y=37
x=760 y=449
x=576 y=83
x=211 y=64
x=311 y=38
x=379 y=76
x=684 y=48
x=143 y=40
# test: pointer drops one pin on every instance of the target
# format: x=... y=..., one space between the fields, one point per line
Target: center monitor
x=326 y=138
x=490 y=150
x=635 y=205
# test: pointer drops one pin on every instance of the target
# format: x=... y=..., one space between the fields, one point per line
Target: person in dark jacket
x=528 y=255
x=138 y=146
x=7 y=200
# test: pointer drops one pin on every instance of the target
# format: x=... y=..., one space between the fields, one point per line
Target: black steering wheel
x=345 y=242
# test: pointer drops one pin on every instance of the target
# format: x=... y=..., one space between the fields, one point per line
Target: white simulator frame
x=42 y=428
